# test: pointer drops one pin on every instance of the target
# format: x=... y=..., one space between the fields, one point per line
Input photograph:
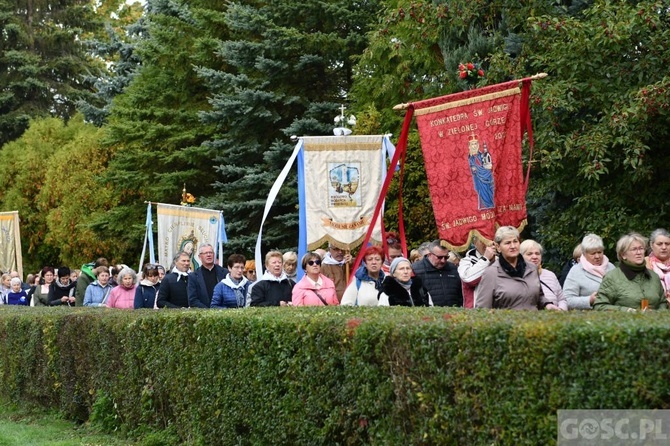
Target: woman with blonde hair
x=532 y=253
x=583 y=280
x=631 y=286
x=510 y=282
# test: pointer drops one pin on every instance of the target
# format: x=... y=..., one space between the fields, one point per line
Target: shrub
x=334 y=375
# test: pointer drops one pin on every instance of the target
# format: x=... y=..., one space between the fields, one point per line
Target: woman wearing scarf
x=231 y=292
x=364 y=289
x=551 y=288
x=584 y=278
x=61 y=291
x=631 y=286
x=273 y=289
x=510 y=282
x=659 y=259
x=147 y=289
x=314 y=289
x=399 y=288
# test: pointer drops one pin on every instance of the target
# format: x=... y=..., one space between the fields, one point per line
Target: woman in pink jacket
x=314 y=288
x=123 y=295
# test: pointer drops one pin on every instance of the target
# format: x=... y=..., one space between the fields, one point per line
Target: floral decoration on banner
x=471 y=73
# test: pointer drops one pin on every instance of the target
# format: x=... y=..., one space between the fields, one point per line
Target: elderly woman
x=273 y=289
x=401 y=289
x=123 y=295
x=584 y=278
x=314 y=289
x=291 y=265
x=97 y=292
x=532 y=253
x=631 y=286
x=364 y=289
x=659 y=259
x=510 y=282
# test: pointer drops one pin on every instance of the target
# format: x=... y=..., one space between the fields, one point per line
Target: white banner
x=182 y=228
x=10 y=242
x=343 y=178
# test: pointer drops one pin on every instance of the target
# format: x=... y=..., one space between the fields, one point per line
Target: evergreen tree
x=154 y=130
x=43 y=60
x=289 y=69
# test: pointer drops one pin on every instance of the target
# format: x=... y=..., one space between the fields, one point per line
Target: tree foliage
x=51 y=178
x=601 y=121
x=288 y=67
x=43 y=60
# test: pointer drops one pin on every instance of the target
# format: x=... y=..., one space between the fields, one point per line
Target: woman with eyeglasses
x=314 y=289
x=147 y=289
x=631 y=286
x=232 y=291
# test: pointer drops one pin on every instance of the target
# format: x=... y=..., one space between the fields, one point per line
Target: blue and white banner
x=339 y=181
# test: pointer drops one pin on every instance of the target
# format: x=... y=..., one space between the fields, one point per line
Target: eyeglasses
x=638 y=249
x=314 y=262
x=151 y=268
x=207 y=253
x=440 y=257
x=392 y=241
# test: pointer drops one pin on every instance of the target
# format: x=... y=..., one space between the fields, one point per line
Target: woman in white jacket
x=364 y=289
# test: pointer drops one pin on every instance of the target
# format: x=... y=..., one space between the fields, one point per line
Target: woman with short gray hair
x=581 y=285
x=510 y=282
x=631 y=286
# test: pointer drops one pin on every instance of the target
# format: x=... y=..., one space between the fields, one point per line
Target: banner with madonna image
x=471 y=143
x=10 y=242
x=183 y=228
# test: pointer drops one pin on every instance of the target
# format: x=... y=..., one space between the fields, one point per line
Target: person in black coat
x=202 y=281
x=440 y=277
x=61 y=290
x=173 y=290
x=273 y=289
x=399 y=288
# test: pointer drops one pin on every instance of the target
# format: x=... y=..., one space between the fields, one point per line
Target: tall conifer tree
x=290 y=68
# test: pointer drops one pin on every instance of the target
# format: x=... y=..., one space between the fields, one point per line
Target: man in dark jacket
x=172 y=292
x=201 y=283
x=440 y=277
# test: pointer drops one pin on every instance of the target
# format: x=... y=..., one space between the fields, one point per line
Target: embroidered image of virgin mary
x=481 y=168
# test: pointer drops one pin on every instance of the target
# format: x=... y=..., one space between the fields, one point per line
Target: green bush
x=334 y=375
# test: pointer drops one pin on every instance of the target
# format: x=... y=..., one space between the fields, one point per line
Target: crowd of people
x=505 y=274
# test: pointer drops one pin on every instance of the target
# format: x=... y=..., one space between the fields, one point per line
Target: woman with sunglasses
x=314 y=289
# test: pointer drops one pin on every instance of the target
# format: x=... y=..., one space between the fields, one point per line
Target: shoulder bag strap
x=319 y=296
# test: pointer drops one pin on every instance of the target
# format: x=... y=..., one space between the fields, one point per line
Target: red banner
x=471 y=145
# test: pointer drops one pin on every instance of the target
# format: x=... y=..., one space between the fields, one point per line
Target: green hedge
x=335 y=375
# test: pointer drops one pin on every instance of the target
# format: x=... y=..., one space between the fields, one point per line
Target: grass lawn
x=19 y=427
